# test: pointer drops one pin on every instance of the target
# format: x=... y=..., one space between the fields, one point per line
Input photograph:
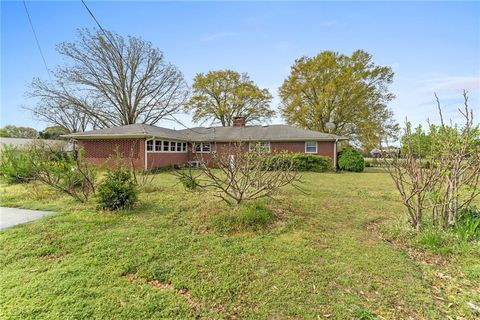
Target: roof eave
x=119 y=136
x=271 y=140
x=103 y=136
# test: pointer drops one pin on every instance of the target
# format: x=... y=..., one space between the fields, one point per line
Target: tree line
x=53 y=132
x=111 y=80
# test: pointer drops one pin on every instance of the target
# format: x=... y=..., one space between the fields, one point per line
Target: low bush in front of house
x=118 y=190
x=300 y=161
x=351 y=160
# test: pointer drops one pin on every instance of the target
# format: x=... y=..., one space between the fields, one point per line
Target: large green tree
x=11 y=131
x=53 y=132
x=348 y=91
x=219 y=96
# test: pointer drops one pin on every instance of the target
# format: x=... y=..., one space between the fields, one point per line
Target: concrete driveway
x=13 y=216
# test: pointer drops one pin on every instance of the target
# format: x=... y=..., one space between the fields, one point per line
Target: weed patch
x=253 y=216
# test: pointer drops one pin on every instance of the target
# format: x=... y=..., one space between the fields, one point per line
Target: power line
x=121 y=57
x=36 y=40
x=96 y=21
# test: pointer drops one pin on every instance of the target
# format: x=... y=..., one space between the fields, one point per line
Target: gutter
x=103 y=136
x=270 y=140
x=335 y=154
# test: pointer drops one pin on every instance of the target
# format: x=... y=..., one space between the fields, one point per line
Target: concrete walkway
x=13 y=216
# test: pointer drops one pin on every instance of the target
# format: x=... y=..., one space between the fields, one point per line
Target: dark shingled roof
x=137 y=130
x=277 y=132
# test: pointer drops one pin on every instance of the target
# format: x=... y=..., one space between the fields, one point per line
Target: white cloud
x=450 y=84
x=211 y=37
x=416 y=100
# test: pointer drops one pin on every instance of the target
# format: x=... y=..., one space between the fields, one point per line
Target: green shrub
x=350 y=160
x=15 y=165
x=64 y=169
x=118 y=190
x=189 y=183
x=63 y=172
x=468 y=224
x=300 y=161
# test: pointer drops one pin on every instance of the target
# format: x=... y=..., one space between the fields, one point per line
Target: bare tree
x=236 y=174
x=59 y=107
x=111 y=81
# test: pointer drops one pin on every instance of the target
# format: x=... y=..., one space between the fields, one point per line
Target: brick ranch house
x=149 y=147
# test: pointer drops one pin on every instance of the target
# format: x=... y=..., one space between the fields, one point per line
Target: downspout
x=335 y=154
x=74 y=148
x=145 y=152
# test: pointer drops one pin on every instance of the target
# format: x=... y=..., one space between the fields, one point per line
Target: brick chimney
x=239 y=121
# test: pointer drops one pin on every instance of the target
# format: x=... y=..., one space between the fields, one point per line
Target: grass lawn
x=338 y=252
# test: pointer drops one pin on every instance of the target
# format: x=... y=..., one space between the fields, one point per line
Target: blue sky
x=431 y=46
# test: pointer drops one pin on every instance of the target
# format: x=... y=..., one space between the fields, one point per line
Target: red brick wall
x=98 y=151
x=165 y=159
x=324 y=148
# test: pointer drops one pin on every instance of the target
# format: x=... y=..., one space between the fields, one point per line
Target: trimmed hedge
x=351 y=160
x=301 y=162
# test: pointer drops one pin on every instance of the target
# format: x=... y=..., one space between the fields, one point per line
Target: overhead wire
x=36 y=40
x=106 y=35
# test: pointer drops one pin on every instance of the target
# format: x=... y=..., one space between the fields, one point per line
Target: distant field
x=339 y=252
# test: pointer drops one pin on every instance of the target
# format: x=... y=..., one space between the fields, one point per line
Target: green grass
x=183 y=254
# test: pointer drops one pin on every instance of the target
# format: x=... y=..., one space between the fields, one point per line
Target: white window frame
x=165 y=145
x=209 y=147
x=265 y=144
x=147 y=145
x=316 y=146
x=158 y=143
x=200 y=146
x=183 y=146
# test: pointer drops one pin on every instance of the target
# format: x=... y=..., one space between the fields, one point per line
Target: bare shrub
x=412 y=180
x=236 y=174
x=65 y=173
x=459 y=157
x=447 y=180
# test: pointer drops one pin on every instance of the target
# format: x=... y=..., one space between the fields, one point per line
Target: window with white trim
x=202 y=147
x=158 y=145
x=311 y=147
x=166 y=146
x=205 y=147
x=264 y=145
x=149 y=145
